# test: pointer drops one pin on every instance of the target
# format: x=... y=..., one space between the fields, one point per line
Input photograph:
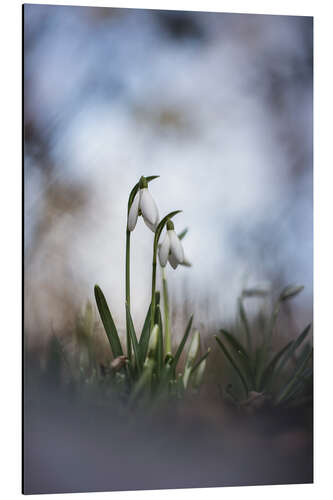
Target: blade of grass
x=166 y=374
x=166 y=313
x=240 y=352
x=191 y=357
x=144 y=382
x=160 y=349
x=131 y=331
x=266 y=377
x=198 y=363
x=254 y=292
x=243 y=317
x=294 y=379
x=183 y=233
x=258 y=366
x=145 y=335
x=306 y=349
x=182 y=343
x=233 y=364
x=267 y=343
x=290 y=291
x=299 y=386
x=108 y=322
x=198 y=375
x=293 y=348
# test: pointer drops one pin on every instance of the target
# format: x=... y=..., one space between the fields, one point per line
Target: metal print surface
x=167 y=249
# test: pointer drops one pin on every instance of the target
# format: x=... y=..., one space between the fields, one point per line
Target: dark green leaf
x=233 y=364
x=108 y=322
x=131 y=331
x=254 y=292
x=290 y=291
x=239 y=351
x=143 y=384
x=268 y=372
x=145 y=334
x=160 y=348
x=294 y=379
x=258 y=365
x=183 y=234
x=304 y=352
x=295 y=344
x=182 y=343
x=243 y=317
x=198 y=363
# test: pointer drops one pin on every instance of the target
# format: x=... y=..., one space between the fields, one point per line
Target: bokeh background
x=219 y=105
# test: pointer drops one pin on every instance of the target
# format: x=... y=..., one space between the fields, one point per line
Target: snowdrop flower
x=171 y=248
x=143 y=204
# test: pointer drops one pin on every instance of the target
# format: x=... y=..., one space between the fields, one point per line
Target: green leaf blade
x=290 y=291
x=294 y=346
x=108 y=322
x=145 y=335
x=160 y=347
x=294 y=379
x=243 y=317
x=134 y=340
x=201 y=360
x=233 y=364
x=183 y=233
x=182 y=343
x=240 y=352
x=267 y=374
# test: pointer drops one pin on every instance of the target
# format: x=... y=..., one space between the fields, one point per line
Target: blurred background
x=218 y=105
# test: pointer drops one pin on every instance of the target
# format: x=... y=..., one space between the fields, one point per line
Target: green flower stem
x=153 y=288
x=128 y=265
x=128 y=289
x=166 y=314
x=143 y=182
x=153 y=281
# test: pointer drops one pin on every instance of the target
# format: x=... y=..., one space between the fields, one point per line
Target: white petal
x=164 y=250
x=173 y=261
x=151 y=226
x=175 y=246
x=186 y=262
x=133 y=213
x=148 y=207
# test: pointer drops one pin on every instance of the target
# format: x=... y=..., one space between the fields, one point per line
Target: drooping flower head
x=171 y=248
x=143 y=204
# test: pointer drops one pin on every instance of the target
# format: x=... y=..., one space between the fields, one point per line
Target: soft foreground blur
x=84 y=432
x=219 y=105
x=77 y=441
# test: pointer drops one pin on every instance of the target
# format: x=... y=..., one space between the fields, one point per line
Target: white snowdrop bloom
x=143 y=204
x=171 y=248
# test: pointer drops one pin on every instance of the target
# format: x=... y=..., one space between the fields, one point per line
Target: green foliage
x=149 y=368
x=149 y=374
x=145 y=369
x=108 y=322
x=277 y=378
